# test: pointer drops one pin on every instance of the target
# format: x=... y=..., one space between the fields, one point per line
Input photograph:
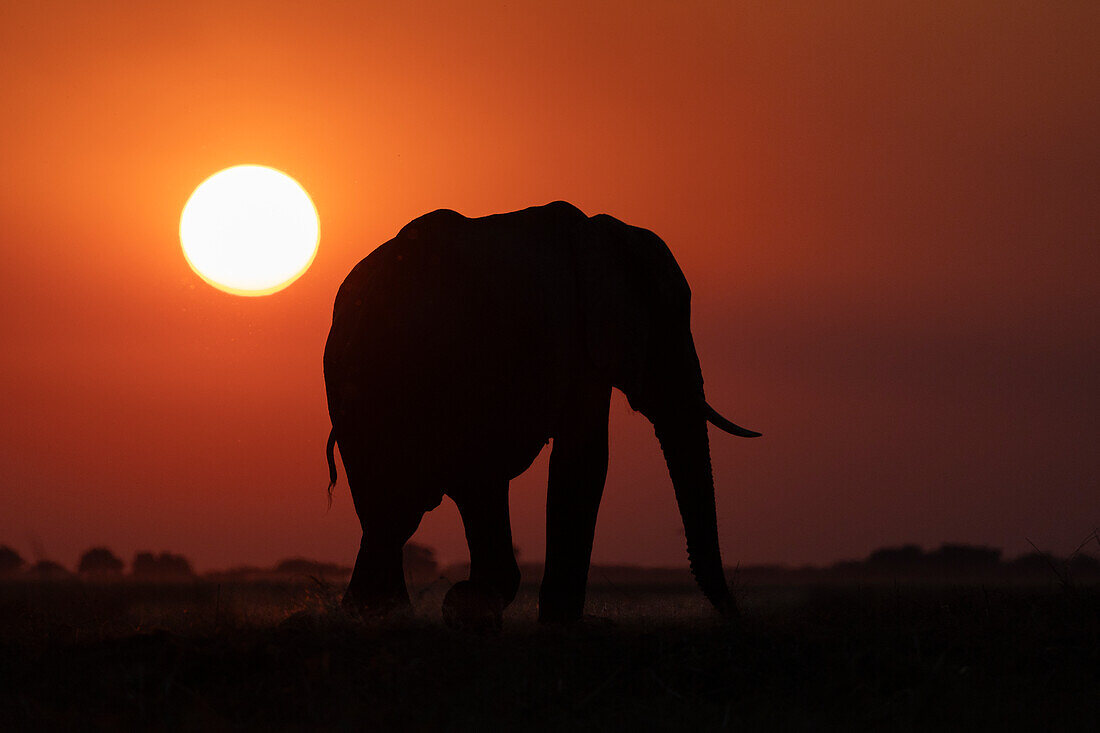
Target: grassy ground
x=202 y=656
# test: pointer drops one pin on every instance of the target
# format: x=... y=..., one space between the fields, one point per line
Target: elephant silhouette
x=462 y=346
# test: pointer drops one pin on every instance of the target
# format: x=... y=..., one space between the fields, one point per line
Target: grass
x=270 y=656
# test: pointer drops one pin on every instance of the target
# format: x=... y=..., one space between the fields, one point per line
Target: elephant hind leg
x=494 y=575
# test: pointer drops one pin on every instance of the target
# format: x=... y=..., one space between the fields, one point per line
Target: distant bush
x=421 y=565
x=906 y=556
x=11 y=562
x=48 y=570
x=99 y=561
x=301 y=567
x=1032 y=564
x=239 y=574
x=148 y=566
x=949 y=559
x=965 y=557
x=1084 y=565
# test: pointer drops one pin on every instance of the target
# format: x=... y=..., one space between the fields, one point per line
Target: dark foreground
x=203 y=656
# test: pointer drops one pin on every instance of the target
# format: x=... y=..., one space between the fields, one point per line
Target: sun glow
x=249 y=230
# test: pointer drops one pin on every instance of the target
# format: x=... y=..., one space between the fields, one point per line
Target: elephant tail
x=331 y=463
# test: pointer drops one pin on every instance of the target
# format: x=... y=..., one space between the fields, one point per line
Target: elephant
x=463 y=346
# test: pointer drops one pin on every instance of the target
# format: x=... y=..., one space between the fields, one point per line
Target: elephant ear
x=614 y=276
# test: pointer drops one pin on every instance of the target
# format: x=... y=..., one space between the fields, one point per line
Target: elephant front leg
x=578 y=469
x=479 y=603
x=377 y=583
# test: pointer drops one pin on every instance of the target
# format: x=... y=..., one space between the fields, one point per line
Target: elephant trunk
x=687 y=453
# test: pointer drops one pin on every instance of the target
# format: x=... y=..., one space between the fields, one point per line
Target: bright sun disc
x=249 y=230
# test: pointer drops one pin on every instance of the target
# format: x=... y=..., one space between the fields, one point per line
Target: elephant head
x=636 y=306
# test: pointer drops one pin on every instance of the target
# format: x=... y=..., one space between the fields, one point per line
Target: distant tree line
x=949 y=561
x=421 y=566
x=100 y=563
x=959 y=559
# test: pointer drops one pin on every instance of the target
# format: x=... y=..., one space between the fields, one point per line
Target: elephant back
x=458 y=327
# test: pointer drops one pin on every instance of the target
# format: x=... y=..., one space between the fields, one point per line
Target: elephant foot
x=470 y=607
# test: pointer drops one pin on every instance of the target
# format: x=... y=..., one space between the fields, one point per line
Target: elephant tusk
x=723 y=424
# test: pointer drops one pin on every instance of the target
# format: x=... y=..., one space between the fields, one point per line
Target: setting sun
x=249 y=230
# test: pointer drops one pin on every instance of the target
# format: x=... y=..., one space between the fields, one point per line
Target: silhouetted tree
x=11 y=562
x=99 y=561
x=164 y=566
x=421 y=565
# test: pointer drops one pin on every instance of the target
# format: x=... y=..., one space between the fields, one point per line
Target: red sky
x=890 y=218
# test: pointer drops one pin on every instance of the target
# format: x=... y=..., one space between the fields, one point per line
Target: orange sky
x=889 y=218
